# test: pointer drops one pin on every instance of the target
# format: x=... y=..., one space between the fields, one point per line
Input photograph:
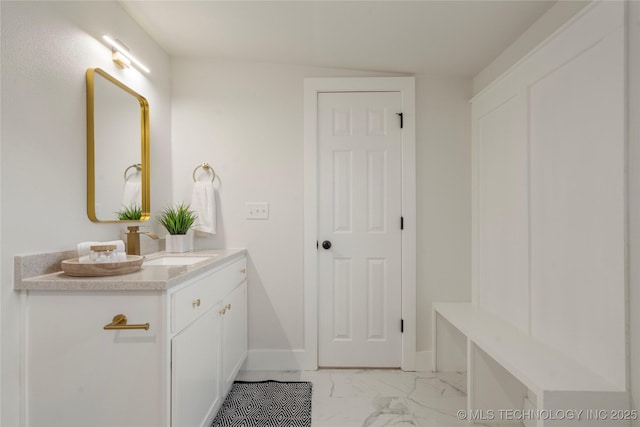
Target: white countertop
x=151 y=278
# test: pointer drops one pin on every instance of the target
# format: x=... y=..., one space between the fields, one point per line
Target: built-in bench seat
x=506 y=367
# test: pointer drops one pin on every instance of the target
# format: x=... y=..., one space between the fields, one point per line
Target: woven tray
x=74 y=268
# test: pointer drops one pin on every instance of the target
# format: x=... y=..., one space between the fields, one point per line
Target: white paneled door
x=359 y=220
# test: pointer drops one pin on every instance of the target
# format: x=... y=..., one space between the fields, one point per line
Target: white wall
x=46 y=49
x=548 y=23
x=443 y=164
x=246 y=120
x=633 y=189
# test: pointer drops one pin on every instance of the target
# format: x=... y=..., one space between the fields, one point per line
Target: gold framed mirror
x=118 y=178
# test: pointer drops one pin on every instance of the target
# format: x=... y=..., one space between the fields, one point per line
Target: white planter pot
x=177 y=243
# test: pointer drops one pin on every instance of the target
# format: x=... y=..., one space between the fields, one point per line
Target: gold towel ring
x=138 y=167
x=204 y=166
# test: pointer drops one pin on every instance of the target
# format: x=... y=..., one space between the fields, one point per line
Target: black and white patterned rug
x=266 y=404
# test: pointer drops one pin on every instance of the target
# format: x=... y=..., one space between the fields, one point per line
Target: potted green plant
x=177 y=221
x=130 y=213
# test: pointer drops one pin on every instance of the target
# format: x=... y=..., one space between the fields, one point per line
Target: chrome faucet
x=133 y=239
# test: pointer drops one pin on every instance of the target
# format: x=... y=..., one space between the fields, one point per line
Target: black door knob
x=326 y=244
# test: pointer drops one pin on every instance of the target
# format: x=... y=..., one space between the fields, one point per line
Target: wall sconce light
x=121 y=55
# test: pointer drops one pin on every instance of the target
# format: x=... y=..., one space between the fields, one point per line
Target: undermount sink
x=176 y=260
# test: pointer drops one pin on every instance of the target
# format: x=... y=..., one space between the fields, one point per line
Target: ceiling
x=436 y=37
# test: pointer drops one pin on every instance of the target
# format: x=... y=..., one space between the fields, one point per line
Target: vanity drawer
x=231 y=276
x=192 y=301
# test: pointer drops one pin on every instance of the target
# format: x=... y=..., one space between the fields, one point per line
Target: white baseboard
x=423 y=361
x=277 y=360
x=297 y=360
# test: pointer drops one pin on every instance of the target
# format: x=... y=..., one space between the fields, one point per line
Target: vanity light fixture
x=121 y=55
x=121 y=60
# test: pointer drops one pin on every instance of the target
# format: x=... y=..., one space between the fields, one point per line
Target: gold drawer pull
x=223 y=311
x=227 y=307
x=196 y=303
x=120 y=322
x=243 y=271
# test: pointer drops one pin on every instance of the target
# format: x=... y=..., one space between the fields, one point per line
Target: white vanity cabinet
x=175 y=374
x=77 y=375
x=195 y=364
x=234 y=334
x=209 y=319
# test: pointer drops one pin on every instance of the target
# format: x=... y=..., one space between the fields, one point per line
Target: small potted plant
x=177 y=221
x=130 y=213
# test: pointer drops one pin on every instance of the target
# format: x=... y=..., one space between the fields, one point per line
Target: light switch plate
x=257 y=210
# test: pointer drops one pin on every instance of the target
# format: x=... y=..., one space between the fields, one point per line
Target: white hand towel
x=84 y=248
x=203 y=203
x=132 y=191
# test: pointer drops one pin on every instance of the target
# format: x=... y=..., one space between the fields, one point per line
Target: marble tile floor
x=375 y=398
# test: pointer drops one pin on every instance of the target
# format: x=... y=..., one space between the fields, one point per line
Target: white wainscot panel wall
x=549 y=202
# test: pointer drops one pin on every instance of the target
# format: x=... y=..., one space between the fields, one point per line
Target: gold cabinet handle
x=225 y=309
x=120 y=322
x=196 y=303
x=243 y=271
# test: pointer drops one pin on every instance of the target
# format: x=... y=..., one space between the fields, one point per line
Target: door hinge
x=401 y=119
x=401 y=223
x=401 y=326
